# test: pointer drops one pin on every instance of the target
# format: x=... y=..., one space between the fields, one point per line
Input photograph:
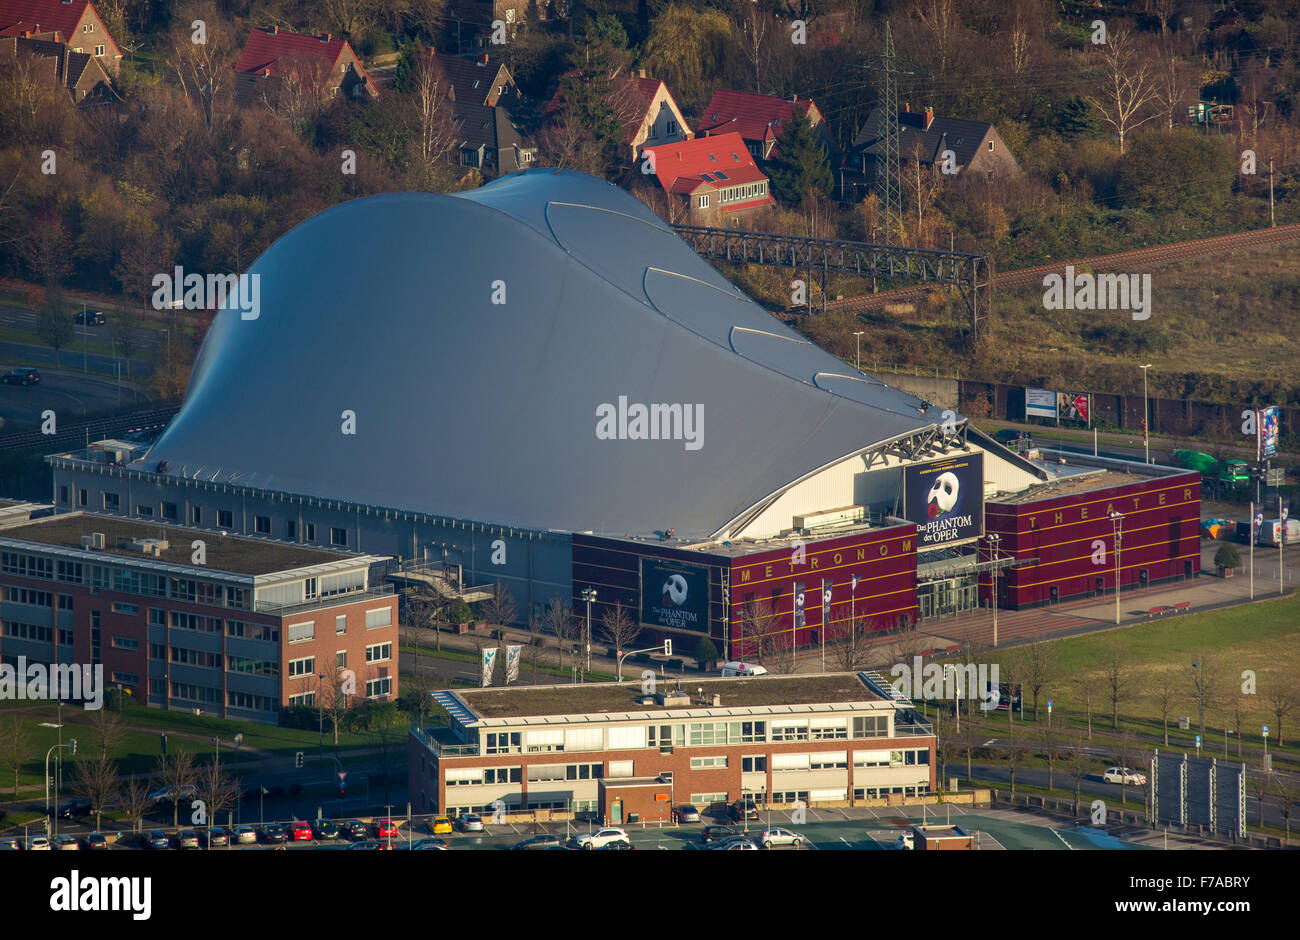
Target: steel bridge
x=971 y=275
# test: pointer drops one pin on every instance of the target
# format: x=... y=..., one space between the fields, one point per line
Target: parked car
x=440 y=825
x=543 y=841
x=740 y=844
x=187 y=839
x=469 y=822
x=96 y=840
x=245 y=835
x=356 y=831
x=67 y=843
x=215 y=837
x=157 y=839
x=905 y=840
x=617 y=846
x=166 y=795
x=601 y=837
x=732 y=670
x=1010 y=435
x=1124 y=775
x=9 y=844
x=301 y=831
x=324 y=829
x=90 y=317
x=21 y=376
x=778 y=836
x=77 y=806
x=718 y=833
x=386 y=829
x=687 y=813
x=274 y=834
x=38 y=844
x=744 y=809
x=367 y=845
x=426 y=845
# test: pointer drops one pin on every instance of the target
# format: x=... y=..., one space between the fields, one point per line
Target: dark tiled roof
x=944 y=133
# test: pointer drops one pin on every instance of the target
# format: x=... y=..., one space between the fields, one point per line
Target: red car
x=301 y=832
x=386 y=828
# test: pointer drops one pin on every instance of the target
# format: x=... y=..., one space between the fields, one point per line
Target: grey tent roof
x=487 y=412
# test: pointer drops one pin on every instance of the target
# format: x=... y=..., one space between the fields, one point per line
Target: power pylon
x=889 y=172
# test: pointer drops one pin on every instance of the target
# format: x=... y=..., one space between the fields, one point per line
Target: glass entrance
x=947 y=597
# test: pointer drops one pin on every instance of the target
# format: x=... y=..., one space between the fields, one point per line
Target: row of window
x=27 y=631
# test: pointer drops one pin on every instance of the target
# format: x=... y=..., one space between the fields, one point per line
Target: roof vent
x=669 y=698
x=717 y=700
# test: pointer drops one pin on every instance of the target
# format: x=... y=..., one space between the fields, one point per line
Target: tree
x=754 y=29
x=1050 y=738
x=1078 y=765
x=385 y=726
x=851 y=647
x=17 y=745
x=133 y=798
x=705 y=652
x=204 y=70
x=54 y=322
x=618 y=626
x=800 y=165
x=1116 y=676
x=1127 y=88
x=557 y=620
x=176 y=770
x=500 y=607
x=1164 y=692
x=1281 y=701
x=336 y=699
x=1087 y=686
x=1039 y=667
x=124 y=326
x=1127 y=753
x=758 y=617
x=682 y=41
x=434 y=124
x=779 y=653
x=217 y=790
x=1205 y=681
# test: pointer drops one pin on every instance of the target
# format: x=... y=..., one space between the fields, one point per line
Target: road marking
x=1062 y=838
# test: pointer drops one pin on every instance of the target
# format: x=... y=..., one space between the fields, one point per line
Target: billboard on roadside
x=1040 y=403
x=1266 y=427
x=945 y=498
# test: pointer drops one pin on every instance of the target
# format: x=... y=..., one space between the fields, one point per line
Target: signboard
x=945 y=498
x=1266 y=433
x=1040 y=403
x=1072 y=407
x=674 y=594
x=512 y=663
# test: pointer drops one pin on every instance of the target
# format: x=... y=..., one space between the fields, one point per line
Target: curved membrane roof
x=488 y=411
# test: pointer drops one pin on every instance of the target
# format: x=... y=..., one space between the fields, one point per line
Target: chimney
x=275 y=30
x=327 y=37
x=640 y=73
x=794 y=98
x=483 y=59
x=929 y=117
x=907 y=107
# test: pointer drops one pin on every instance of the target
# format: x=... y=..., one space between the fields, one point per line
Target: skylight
x=706 y=176
x=722 y=176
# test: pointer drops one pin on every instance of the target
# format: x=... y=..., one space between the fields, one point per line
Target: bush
x=705 y=651
x=460 y=612
x=1227 y=557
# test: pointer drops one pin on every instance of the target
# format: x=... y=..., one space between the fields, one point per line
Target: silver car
x=778 y=836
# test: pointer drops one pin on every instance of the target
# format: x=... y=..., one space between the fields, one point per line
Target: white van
x=731 y=670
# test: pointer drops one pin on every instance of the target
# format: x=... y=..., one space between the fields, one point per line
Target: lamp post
x=588 y=595
x=72 y=752
x=995 y=538
x=1117 y=524
x=1146 y=414
x=857 y=359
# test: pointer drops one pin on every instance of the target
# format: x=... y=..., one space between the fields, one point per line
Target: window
x=338 y=536
x=990 y=146
x=341 y=624
x=753 y=732
x=65 y=637
x=705 y=734
x=189 y=657
x=302 y=667
x=262 y=525
x=708 y=763
x=21 y=595
x=310 y=589
x=832 y=760
x=70 y=572
x=110 y=501
x=664 y=736
x=620 y=768
x=196 y=693
x=291 y=530
x=99 y=49
x=302 y=698
x=236 y=598
x=81 y=498
x=378 y=688
x=183 y=589
x=311 y=531
x=502 y=742
x=157 y=617
x=125 y=643
x=257 y=703
x=379 y=653
x=128 y=609
x=126 y=678
x=703 y=201
x=88 y=28
x=302 y=631
x=785 y=731
x=463 y=777
x=670 y=127
x=823 y=730
x=380 y=617
x=169 y=510
x=143 y=510
x=705 y=800
x=584 y=771
x=225 y=519
x=196 y=515
x=502 y=774
x=65 y=602
x=871 y=726
x=252 y=667
x=468 y=157
x=544 y=772
x=341 y=659
x=63 y=495
x=753 y=765
x=871 y=758
x=157 y=651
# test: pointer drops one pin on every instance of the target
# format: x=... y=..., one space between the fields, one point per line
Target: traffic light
x=72 y=747
x=298 y=761
x=342 y=791
x=668 y=647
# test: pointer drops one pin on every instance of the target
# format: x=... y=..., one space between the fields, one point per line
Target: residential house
x=479 y=79
x=653 y=117
x=710 y=180
x=922 y=135
x=76 y=22
x=272 y=55
x=483 y=94
x=761 y=119
x=52 y=63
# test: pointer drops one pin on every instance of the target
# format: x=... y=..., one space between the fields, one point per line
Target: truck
x=1231 y=472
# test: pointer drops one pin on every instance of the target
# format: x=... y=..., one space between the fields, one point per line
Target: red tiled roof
x=754 y=117
x=707 y=163
x=265 y=47
x=43 y=16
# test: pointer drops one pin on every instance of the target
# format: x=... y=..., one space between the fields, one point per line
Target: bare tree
x=1127 y=752
x=1039 y=667
x=851 y=648
x=203 y=69
x=176 y=770
x=1174 y=81
x=1087 y=686
x=500 y=607
x=779 y=652
x=557 y=620
x=942 y=22
x=1117 y=678
x=1127 y=87
x=54 y=322
x=124 y=327
x=336 y=699
x=618 y=626
x=1205 y=682
x=1164 y=692
x=17 y=745
x=217 y=789
x=1281 y=701
x=107 y=732
x=754 y=29
x=758 y=617
x=1077 y=763
x=946 y=743
x=1286 y=794
x=436 y=132
x=534 y=655
x=133 y=798
x=299 y=90
x=1050 y=737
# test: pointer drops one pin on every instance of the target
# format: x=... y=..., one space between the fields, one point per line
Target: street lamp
x=588 y=595
x=1146 y=414
x=857 y=359
x=72 y=752
x=993 y=584
x=1117 y=524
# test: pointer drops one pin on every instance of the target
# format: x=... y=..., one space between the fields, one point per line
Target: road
x=24 y=319
x=67 y=394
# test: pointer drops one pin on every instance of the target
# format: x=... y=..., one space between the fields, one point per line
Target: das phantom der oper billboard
x=674 y=595
x=945 y=498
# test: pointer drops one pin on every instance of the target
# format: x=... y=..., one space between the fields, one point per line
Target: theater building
x=622 y=749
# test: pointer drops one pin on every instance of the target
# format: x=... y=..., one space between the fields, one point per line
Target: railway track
x=76 y=434
x=1134 y=260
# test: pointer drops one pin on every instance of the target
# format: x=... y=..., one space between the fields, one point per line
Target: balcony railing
x=334 y=600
